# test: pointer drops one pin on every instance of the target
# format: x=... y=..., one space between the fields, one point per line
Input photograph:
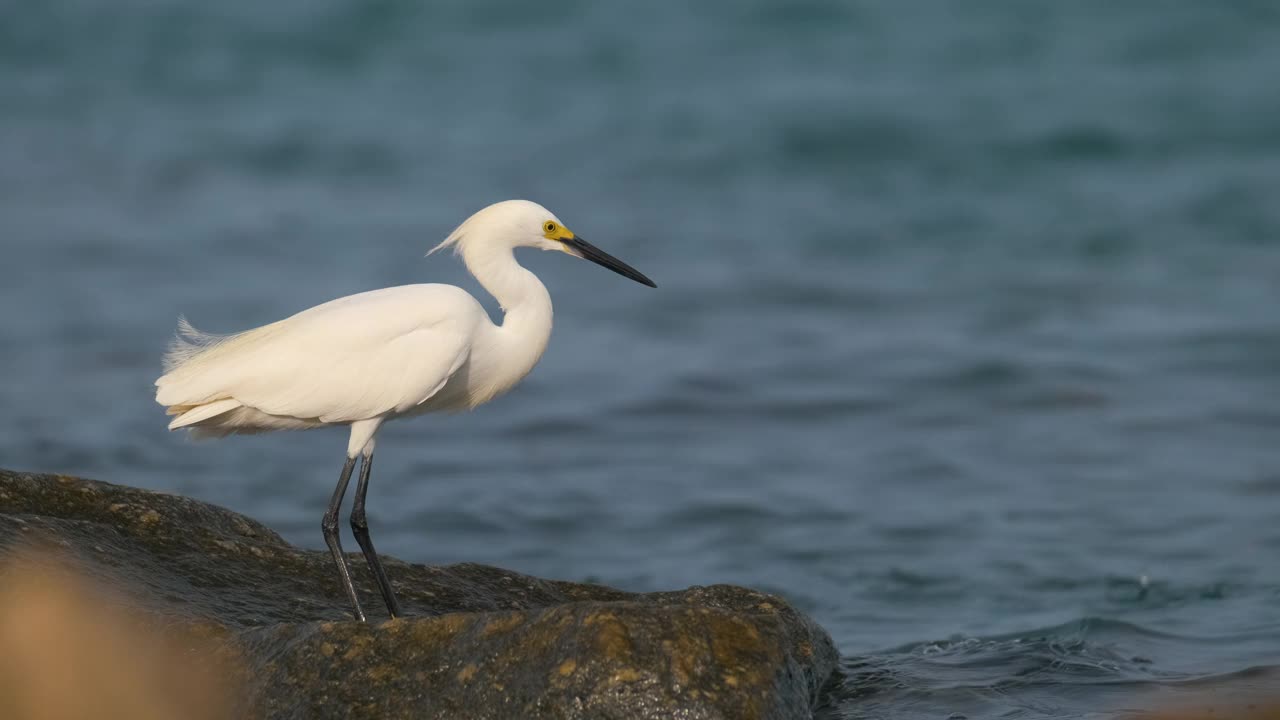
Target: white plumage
x=382 y=353
x=364 y=359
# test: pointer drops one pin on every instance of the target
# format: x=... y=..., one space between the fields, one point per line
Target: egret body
x=364 y=359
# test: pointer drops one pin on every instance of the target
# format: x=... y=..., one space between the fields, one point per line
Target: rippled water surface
x=965 y=340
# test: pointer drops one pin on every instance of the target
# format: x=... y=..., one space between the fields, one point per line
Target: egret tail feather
x=203 y=412
x=189 y=342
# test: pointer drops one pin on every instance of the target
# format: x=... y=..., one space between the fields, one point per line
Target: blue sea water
x=966 y=337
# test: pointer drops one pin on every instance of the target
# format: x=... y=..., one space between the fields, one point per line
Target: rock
x=476 y=642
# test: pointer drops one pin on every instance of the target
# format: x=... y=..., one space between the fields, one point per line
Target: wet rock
x=476 y=642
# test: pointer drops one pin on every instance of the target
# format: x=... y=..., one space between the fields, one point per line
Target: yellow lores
x=364 y=359
x=552 y=230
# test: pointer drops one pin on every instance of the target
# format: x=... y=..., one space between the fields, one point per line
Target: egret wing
x=351 y=359
x=354 y=384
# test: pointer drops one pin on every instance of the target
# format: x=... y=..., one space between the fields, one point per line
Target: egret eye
x=549 y=227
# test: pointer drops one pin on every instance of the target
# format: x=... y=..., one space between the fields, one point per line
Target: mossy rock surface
x=475 y=642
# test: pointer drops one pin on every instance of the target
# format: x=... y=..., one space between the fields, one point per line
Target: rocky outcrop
x=475 y=642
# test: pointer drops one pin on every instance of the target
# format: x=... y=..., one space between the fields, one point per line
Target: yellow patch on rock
x=611 y=640
x=625 y=675
x=443 y=629
x=685 y=653
x=357 y=648
x=502 y=624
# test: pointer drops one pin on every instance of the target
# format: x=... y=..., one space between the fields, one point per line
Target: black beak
x=587 y=251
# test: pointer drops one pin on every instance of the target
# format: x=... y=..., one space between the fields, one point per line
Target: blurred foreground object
x=68 y=652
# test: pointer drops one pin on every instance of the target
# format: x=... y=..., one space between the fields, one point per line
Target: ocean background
x=966 y=339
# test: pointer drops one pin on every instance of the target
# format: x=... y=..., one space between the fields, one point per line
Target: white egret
x=364 y=359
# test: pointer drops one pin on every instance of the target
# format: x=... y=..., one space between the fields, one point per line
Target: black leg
x=360 y=527
x=329 y=525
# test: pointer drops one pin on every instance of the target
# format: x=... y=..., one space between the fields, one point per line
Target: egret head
x=522 y=223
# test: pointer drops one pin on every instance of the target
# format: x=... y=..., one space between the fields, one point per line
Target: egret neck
x=526 y=306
